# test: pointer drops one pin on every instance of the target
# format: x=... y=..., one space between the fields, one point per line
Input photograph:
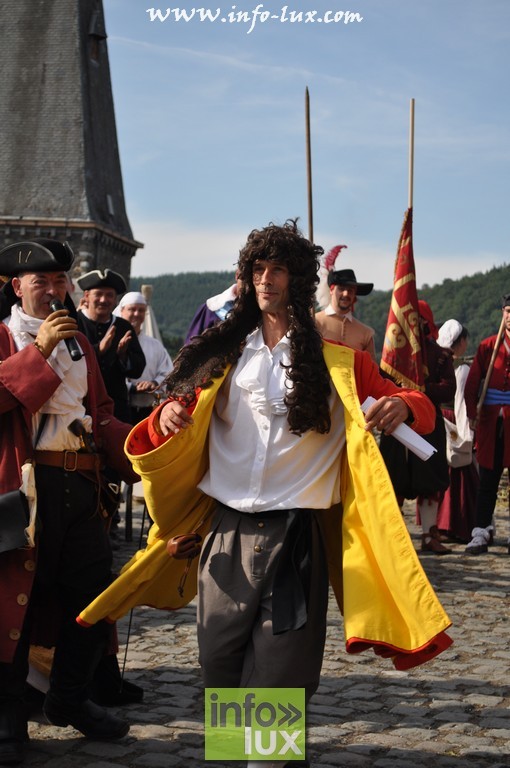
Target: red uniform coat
x=500 y=379
x=27 y=381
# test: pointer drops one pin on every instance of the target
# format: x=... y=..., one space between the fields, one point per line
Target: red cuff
x=153 y=429
x=143 y=437
x=147 y=434
x=402 y=659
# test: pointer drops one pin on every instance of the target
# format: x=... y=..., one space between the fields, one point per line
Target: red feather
x=331 y=255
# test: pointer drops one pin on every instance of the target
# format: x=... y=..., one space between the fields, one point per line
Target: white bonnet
x=132 y=297
x=449 y=333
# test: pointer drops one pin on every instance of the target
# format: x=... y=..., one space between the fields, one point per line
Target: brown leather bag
x=185 y=546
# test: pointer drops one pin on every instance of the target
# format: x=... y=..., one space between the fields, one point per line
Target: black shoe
x=12 y=751
x=13 y=736
x=93 y=721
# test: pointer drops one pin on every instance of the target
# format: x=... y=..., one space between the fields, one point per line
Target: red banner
x=402 y=355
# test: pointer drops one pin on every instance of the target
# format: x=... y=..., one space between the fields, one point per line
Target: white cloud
x=172 y=247
x=238 y=62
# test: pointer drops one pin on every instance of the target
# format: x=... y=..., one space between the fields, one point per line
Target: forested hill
x=474 y=301
x=176 y=298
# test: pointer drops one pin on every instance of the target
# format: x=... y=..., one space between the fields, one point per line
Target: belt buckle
x=73 y=454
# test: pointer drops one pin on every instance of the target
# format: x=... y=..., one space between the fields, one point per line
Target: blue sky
x=211 y=127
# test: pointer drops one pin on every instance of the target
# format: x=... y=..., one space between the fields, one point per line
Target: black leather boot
x=13 y=711
x=68 y=701
x=109 y=689
x=93 y=721
x=13 y=733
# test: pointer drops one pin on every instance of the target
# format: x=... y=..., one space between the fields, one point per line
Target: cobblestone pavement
x=450 y=712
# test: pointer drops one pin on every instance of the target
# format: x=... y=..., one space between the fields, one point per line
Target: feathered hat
x=331 y=274
x=327 y=266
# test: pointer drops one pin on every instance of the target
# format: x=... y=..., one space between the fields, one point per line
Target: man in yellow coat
x=263 y=449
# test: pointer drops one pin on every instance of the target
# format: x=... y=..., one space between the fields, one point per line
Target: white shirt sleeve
x=461 y=418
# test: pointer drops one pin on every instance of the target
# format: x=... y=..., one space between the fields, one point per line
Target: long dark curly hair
x=207 y=355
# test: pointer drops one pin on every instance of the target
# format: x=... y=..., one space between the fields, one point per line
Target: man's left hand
x=386 y=414
x=146 y=386
x=123 y=346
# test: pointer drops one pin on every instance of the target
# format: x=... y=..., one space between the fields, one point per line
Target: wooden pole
x=309 y=166
x=499 y=339
x=411 y=154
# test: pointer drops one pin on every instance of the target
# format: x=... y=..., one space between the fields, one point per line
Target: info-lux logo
x=255 y=723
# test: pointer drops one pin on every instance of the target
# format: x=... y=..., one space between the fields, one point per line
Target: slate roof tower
x=60 y=173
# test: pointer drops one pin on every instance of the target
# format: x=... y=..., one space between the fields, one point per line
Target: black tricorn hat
x=40 y=255
x=505 y=300
x=347 y=277
x=106 y=278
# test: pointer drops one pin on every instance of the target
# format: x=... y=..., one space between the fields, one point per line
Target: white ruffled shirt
x=255 y=463
x=66 y=403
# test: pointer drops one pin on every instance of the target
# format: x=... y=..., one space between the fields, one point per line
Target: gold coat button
x=29 y=565
x=22 y=599
x=14 y=634
x=257 y=548
x=260 y=525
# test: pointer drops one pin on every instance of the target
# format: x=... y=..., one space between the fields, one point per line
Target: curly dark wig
x=206 y=357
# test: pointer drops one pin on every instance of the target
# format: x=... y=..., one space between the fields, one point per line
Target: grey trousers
x=237 y=647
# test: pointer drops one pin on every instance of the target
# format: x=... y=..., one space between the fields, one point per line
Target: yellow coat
x=380 y=586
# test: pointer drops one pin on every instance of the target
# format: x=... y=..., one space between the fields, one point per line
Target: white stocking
x=428 y=514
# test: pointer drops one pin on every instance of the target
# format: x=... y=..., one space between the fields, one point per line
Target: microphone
x=71 y=344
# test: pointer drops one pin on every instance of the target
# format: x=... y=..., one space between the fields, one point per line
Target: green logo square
x=255 y=724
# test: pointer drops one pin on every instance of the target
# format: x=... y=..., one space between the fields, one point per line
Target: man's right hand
x=173 y=418
x=107 y=340
x=123 y=345
x=56 y=327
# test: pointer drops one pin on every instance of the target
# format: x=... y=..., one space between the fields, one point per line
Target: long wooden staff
x=499 y=339
x=411 y=155
x=309 y=166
